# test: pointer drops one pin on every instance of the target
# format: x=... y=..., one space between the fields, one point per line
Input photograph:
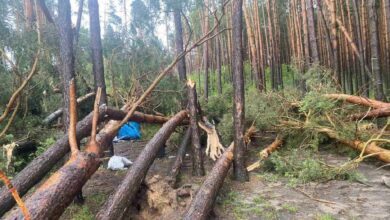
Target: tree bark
x=240 y=172
x=179 y=158
x=197 y=156
x=96 y=47
x=118 y=202
x=66 y=53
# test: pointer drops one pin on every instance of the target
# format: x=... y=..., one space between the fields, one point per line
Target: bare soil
x=264 y=197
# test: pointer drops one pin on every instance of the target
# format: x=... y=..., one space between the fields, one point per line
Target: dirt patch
x=264 y=197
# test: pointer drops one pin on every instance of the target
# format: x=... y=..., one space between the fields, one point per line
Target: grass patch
x=290 y=208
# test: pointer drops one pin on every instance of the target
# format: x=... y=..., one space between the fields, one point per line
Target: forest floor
x=266 y=196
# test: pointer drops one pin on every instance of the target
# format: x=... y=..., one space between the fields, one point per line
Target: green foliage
x=302 y=166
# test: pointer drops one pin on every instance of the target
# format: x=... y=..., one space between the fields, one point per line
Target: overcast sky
x=103 y=5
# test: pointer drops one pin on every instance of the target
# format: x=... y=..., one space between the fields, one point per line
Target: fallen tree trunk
x=372 y=148
x=376 y=113
x=203 y=202
x=116 y=205
x=50 y=200
x=266 y=152
x=53 y=116
x=42 y=164
x=179 y=159
x=358 y=100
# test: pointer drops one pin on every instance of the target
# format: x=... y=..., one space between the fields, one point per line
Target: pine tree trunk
x=96 y=47
x=240 y=171
x=312 y=32
x=252 y=48
x=305 y=34
x=206 y=52
x=181 y=65
x=375 y=64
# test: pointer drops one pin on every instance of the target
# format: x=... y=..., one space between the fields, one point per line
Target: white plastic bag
x=118 y=163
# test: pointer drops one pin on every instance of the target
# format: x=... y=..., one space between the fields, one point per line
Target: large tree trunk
x=96 y=47
x=116 y=205
x=53 y=116
x=42 y=164
x=359 y=100
x=66 y=53
x=240 y=172
x=197 y=156
x=375 y=64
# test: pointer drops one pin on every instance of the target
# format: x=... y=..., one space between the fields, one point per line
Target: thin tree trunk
x=206 y=52
x=252 y=48
x=312 y=32
x=181 y=153
x=375 y=64
x=181 y=65
x=305 y=34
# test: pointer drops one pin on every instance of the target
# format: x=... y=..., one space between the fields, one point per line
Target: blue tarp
x=129 y=131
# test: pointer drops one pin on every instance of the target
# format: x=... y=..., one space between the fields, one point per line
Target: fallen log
x=266 y=152
x=53 y=116
x=197 y=156
x=179 y=159
x=50 y=200
x=376 y=113
x=203 y=202
x=372 y=147
x=42 y=164
x=358 y=100
x=117 y=204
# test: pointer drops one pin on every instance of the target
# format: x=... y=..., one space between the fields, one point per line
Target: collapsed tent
x=129 y=131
